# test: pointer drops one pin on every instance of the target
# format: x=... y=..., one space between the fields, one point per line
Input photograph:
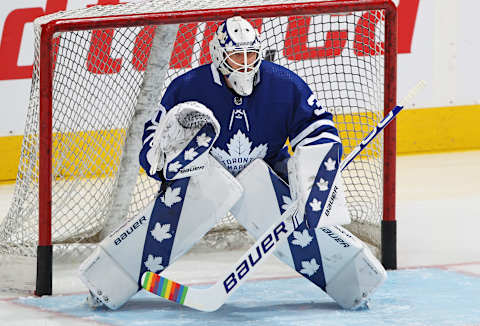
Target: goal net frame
x=50 y=29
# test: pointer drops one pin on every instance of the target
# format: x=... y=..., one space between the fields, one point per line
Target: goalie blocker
x=328 y=256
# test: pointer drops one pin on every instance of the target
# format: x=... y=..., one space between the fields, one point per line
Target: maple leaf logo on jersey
x=160 y=232
x=240 y=153
x=154 y=264
x=316 y=205
x=171 y=196
x=330 y=164
x=302 y=239
x=322 y=184
x=309 y=267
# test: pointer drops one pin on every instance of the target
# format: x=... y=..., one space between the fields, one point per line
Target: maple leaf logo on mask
x=240 y=153
x=222 y=36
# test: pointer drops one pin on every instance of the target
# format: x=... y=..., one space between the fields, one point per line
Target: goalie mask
x=236 y=51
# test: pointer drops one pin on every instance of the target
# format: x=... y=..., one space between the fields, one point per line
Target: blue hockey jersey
x=281 y=107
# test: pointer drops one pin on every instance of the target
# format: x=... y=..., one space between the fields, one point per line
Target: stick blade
x=204 y=299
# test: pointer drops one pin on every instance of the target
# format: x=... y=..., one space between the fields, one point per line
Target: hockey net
x=99 y=90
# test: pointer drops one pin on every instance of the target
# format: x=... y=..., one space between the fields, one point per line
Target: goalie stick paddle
x=213 y=297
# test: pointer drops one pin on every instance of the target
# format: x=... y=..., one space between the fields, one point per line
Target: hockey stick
x=382 y=124
x=211 y=298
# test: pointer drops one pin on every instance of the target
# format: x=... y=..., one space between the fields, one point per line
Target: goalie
x=217 y=144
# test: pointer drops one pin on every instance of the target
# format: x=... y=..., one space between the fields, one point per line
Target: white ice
x=438 y=213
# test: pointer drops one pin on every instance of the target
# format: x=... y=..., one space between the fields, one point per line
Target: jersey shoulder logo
x=239 y=153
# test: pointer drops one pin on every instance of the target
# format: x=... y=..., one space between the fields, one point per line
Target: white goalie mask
x=237 y=52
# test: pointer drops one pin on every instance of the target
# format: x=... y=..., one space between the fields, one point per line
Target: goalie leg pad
x=107 y=280
x=352 y=272
x=330 y=257
x=317 y=184
x=265 y=198
x=164 y=231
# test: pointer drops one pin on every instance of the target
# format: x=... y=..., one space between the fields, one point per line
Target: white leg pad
x=352 y=273
x=107 y=279
x=306 y=170
x=118 y=261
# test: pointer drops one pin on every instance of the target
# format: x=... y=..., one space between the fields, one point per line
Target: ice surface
x=409 y=297
x=438 y=213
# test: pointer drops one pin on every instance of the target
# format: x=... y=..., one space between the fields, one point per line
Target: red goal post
x=116 y=18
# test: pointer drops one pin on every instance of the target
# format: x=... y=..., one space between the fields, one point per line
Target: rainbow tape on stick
x=165 y=288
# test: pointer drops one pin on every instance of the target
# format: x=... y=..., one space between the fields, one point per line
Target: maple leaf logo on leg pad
x=302 y=239
x=287 y=201
x=316 y=205
x=154 y=264
x=322 y=184
x=309 y=267
x=171 y=196
x=160 y=232
x=330 y=164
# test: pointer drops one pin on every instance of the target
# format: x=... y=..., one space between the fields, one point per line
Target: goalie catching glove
x=179 y=141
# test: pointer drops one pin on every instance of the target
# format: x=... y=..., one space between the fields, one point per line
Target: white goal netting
x=98 y=80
